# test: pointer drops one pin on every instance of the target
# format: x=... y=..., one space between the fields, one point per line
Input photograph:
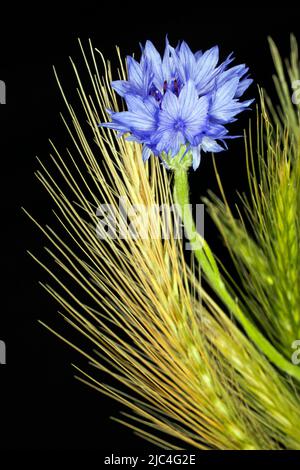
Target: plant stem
x=209 y=266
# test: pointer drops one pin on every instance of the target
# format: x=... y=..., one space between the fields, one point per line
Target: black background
x=41 y=405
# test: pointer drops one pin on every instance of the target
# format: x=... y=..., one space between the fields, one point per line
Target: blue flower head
x=180 y=101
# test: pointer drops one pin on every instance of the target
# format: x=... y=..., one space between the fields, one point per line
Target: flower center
x=179 y=125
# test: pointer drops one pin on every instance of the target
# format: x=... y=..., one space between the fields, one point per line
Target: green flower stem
x=209 y=266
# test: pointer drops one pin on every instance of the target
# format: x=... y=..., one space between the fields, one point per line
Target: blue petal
x=188 y=99
x=226 y=92
x=122 y=87
x=224 y=107
x=198 y=55
x=206 y=64
x=196 y=152
x=243 y=85
x=170 y=104
x=168 y=63
x=146 y=153
x=153 y=56
x=169 y=141
x=134 y=72
x=210 y=145
x=141 y=105
x=187 y=61
x=129 y=121
x=236 y=71
x=208 y=81
x=215 y=130
x=192 y=109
